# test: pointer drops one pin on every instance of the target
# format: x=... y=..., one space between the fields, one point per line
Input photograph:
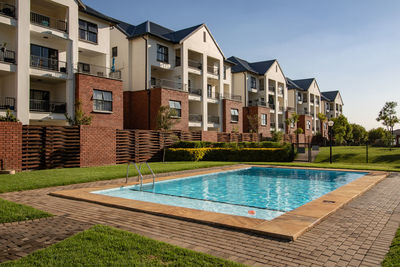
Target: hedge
x=202 y=144
x=284 y=153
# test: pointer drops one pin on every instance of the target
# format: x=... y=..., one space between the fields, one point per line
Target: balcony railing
x=7 y=9
x=213 y=70
x=195 y=117
x=280 y=126
x=281 y=109
x=272 y=124
x=271 y=88
x=233 y=97
x=290 y=109
x=47 y=106
x=195 y=91
x=7 y=56
x=49 y=22
x=256 y=103
x=98 y=71
x=214 y=95
x=195 y=64
x=303 y=112
x=271 y=106
x=168 y=84
x=213 y=119
x=7 y=103
x=48 y=64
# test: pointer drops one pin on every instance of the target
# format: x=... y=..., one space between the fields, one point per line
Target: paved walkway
x=359 y=234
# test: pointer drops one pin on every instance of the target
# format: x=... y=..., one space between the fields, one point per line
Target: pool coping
x=288 y=226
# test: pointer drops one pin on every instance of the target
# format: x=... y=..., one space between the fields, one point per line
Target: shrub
x=233 y=145
x=186 y=154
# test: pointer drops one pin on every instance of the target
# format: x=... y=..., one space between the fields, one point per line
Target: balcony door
x=44 y=57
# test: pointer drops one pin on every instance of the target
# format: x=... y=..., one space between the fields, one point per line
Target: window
x=225 y=72
x=102 y=100
x=83 y=67
x=44 y=57
x=114 y=51
x=204 y=37
x=253 y=82
x=308 y=125
x=234 y=115
x=162 y=53
x=176 y=105
x=88 y=31
x=209 y=90
x=263 y=119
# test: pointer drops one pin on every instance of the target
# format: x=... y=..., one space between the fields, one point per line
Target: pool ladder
x=140 y=176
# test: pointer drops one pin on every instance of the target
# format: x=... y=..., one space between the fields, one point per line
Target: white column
x=204 y=103
x=221 y=92
x=72 y=58
x=23 y=60
x=184 y=64
x=276 y=107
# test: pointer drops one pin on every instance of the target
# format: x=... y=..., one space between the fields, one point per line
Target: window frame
x=234 y=115
x=162 y=53
x=101 y=102
x=87 y=29
x=114 y=51
x=253 y=82
x=263 y=119
x=177 y=108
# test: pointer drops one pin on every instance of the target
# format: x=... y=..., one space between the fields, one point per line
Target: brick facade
x=264 y=130
x=85 y=84
x=209 y=136
x=137 y=113
x=11 y=145
x=227 y=124
x=98 y=146
x=302 y=123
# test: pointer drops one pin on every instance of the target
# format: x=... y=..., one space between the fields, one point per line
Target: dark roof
x=304 y=84
x=292 y=85
x=90 y=11
x=242 y=65
x=330 y=95
x=149 y=27
x=324 y=98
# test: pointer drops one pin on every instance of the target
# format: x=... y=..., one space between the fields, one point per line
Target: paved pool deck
x=357 y=234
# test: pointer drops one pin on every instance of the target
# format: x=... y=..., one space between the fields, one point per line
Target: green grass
x=349 y=157
x=392 y=259
x=13 y=212
x=106 y=246
x=56 y=177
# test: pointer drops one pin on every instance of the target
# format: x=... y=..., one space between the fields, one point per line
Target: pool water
x=257 y=192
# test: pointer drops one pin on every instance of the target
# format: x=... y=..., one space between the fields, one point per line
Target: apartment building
x=305 y=100
x=262 y=88
x=55 y=53
x=185 y=70
x=332 y=104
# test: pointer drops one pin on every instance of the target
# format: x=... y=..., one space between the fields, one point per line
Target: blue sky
x=351 y=46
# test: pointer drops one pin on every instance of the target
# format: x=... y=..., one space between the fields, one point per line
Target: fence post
x=366 y=148
x=309 y=152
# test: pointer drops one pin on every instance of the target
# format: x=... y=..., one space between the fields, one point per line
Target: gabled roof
x=242 y=65
x=304 y=84
x=324 y=98
x=292 y=85
x=330 y=95
x=90 y=11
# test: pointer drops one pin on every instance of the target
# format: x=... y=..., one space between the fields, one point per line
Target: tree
x=80 y=117
x=292 y=120
x=342 y=130
x=322 y=117
x=254 y=121
x=166 y=119
x=379 y=137
x=8 y=117
x=298 y=132
x=388 y=117
x=360 y=135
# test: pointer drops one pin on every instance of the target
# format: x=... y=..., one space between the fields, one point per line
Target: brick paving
x=359 y=234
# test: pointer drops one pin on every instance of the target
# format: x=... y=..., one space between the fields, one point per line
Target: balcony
x=167 y=84
x=98 y=71
x=257 y=103
x=280 y=91
x=271 y=106
x=195 y=118
x=197 y=92
x=213 y=119
x=195 y=64
x=290 y=109
x=7 y=10
x=48 y=64
x=304 y=112
x=281 y=126
x=272 y=125
x=233 y=97
x=7 y=103
x=7 y=56
x=271 y=89
x=281 y=109
x=49 y=22
x=213 y=70
x=47 y=106
x=214 y=96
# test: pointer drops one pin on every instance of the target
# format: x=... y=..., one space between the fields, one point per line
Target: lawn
x=392 y=259
x=56 y=177
x=13 y=212
x=106 y=246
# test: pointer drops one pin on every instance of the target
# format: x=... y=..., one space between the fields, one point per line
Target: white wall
x=119 y=40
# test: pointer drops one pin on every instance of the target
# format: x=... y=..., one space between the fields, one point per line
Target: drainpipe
x=146 y=85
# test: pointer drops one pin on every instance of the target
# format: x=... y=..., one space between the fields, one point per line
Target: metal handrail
x=7 y=9
x=47 y=106
x=213 y=119
x=213 y=70
x=195 y=91
x=48 y=64
x=7 y=103
x=271 y=88
x=195 y=64
x=195 y=117
x=233 y=97
x=7 y=55
x=169 y=84
x=99 y=71
x=49 y=22
x=214 y=95
x=140 y=176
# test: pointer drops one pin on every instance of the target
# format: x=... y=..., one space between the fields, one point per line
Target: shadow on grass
x=387 y=158
x=338 y=157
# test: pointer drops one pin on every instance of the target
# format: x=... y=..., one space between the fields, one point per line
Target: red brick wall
x=11 y=145
x=227 y=125
x=136 y=105
x=98 y=146
x=302 y=123
x=84 y=93
x=209 y=136
x=265 y=131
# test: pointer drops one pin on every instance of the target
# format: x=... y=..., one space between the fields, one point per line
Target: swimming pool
x=256 y=192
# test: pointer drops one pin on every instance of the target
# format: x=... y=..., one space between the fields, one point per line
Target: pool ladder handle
x=140 y=176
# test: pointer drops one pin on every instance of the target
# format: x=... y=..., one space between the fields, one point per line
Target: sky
x=351 y=46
